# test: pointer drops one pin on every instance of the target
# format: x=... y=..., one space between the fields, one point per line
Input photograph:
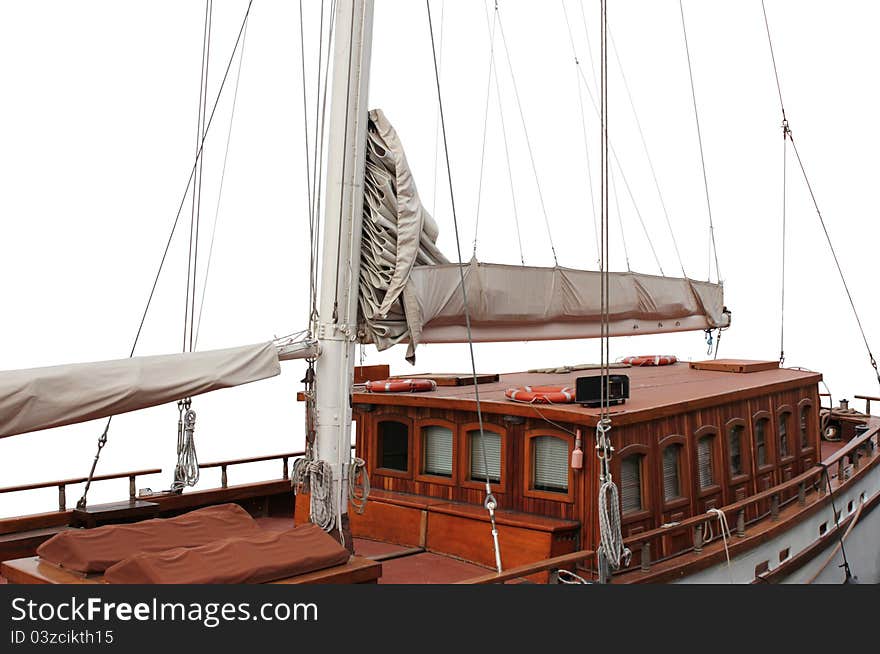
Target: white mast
x=338 y=302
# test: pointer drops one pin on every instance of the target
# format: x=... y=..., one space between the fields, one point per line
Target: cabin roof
x=654 y=392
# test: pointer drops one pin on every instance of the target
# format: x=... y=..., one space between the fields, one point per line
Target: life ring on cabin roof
x=541 y=394
x=650 y=360
x=401 y=385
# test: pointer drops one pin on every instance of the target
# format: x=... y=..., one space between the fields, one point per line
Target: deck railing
x=62 y=484
x=817 y=479
x=553 y=566
x=223 y=465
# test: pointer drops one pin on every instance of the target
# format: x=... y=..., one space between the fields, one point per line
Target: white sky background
x=97 y=129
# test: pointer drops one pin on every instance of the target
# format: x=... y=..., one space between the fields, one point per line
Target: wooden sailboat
x=707 y=471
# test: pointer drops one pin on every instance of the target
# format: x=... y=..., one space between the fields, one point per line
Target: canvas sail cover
x=40 y=398
x=409 y=293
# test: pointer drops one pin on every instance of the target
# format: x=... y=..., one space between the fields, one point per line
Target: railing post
x=646 y=557
x=132 y=487
x=854 y=457
x=62 y=498
x=802 y=493
x=224 y=482
x=741 y=523
x=841 y=469
x=774 y=506
x=554 y=576
x=698 y=538
x=822 y=486
x=284 y=470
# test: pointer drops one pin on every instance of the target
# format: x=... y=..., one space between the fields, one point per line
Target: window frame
x=707 y=431
x=419 y=451
x=554 y=496
x=744 y=451
x=769 y=443
x=644 y=452
x=464 y=460
x=812 y=428
x=684 y=480
x=792 y=452
x=377 y=442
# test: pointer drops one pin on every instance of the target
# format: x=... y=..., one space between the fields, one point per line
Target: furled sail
x=410 y=293
x=40 y=398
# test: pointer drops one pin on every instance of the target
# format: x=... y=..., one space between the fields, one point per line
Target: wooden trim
x=250 y=459
x=527 y=469
x=418 y=453
x=464 y=462
x=377 y=449
x=80 y=480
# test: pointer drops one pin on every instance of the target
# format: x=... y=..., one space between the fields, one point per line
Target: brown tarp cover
x=253 y=559
x=95 y=550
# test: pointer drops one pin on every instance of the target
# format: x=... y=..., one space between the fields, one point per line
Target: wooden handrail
x=868 y=399
x=774 y=493
x=250 y=459
x=555 y=563
x=80 y=480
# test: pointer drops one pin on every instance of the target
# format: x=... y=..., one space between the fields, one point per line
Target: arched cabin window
x=706 y=461
x=762 y=426
x=805 y=413
x=631 y=466
x=784 y=432
x=393 y=445
x=672 y=472
x=737 y=448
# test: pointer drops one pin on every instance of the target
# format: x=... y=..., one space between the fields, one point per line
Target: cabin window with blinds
x=672 y=472
x=805 y=426
x=761 y=442
x=393 y=445
x=437 y=450
x=491 y=465
x=705 y=469
x=784 y=419
x=549 y=464
x=631 y=483
x=734 y=440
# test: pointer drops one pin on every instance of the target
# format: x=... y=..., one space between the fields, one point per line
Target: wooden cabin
x=690 y=437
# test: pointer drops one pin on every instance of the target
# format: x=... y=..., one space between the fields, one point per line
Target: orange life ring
x=650 y=360
x=541 y=394
x=401 y=385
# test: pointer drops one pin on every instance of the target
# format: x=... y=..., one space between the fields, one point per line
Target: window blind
x=671 y=488
x=783 y=434
x=492 y=444
x=704 y=462
x=631 y=483
x=550 y=464
x=437 y=447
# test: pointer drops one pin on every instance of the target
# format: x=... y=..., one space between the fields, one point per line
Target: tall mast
x=338 y=302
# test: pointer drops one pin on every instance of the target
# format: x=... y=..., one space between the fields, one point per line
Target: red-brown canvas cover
x=95 y=550
x=252 y=559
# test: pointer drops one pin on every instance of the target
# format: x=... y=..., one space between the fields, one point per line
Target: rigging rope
x=578 y=74
x=632 y=105
x=220 y=189
x=102 y=439
x=485 y=130
x=437 y=115
x=611 y=550
x=787 y=130
x=522 y=258
x=724 y=530
x=526 y=134
x=490 y=502
x=700 y=141
x=785 y=134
